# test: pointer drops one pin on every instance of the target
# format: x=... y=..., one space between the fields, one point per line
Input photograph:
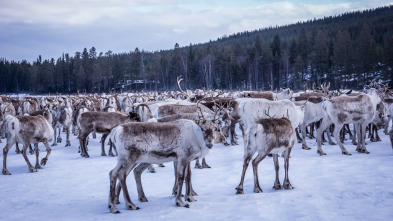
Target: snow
x=331 y=187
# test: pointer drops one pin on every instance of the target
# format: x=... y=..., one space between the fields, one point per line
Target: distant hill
x=348 y=50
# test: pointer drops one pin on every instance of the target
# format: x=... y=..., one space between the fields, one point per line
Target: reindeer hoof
x=288 y=186
x=17 y=151
x=43 y=161
x=143 y=199
x=305 y=147
x=132 y=207
x=193 y=193
x=321 y=153
x=6 y=172
x=33 y=170
x=114 y=210
x=239 y=191
x=38 y=166
x=206 y=166
x=103 y=154
x=346 y=153
x=111 y=154
x=277 y=187
x=258 y=190
x=182 y=205
x=54 y=144
x=190 y=199
x=161 y=165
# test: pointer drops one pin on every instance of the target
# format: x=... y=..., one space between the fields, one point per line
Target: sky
x=29 y=28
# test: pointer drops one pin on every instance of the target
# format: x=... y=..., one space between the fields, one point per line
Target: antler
x=200 y=110
x=267 y=114
x=179 y=79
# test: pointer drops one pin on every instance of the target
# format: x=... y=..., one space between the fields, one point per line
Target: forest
x=347 y=50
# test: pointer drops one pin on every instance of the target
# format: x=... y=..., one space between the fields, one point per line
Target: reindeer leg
x=68 y=143
x=336 y=133
x=326 y=121
x=122 y=178
x=349 y=131
x=48 y=151
x=189 y=191
x=17 y=148
x=198 y=164
x=287 y=184
x=312 y=126
x=54 y=140
x=355 y=133
x=31 y=168
x=376 y=134
x=31 y=151
x=59 y=136
x=174 y=189
x=83 y=145
x=372 y=130
x=358 y=133
x=232 y=133
x=5 y=153
x=110 y=152
x=37 y=155
x=181 y=166
x=239 y=188
x=137 y=174
x=277 y=184
x=363 y=131
x=103 y=144
x=120 y=172
x=204 y=164
x=299 y=140
x=255 y=163
x=329 y=133
x=303 y=130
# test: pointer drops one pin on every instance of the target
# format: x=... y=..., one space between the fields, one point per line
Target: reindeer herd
x=158 y=127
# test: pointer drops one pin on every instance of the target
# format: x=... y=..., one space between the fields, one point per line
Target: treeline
x=348 y=50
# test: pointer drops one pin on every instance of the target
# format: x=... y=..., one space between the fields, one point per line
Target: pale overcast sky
x=29 y=28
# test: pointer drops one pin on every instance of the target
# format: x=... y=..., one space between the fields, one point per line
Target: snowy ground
x=331 y=187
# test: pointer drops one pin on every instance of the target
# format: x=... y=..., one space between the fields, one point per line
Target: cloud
x=50 y=27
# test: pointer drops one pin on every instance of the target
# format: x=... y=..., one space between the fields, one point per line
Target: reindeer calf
x=27 y=130
x=274 y=135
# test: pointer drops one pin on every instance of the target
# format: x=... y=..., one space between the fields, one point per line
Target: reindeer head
x=134 y=117
x=209 y=128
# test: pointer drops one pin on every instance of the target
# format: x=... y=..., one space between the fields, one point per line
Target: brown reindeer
x=101 y=122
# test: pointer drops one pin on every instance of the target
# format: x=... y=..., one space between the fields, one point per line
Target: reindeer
x=150 y=142
x=348 y=109
x=248 y=111
x=27 y=130
x=270 y=135
x=63 y=119
x=101 y=122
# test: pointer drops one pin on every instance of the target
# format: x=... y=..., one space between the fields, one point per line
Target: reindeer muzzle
x=209 y=145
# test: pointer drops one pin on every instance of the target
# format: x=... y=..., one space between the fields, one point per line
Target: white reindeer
x=348 y=109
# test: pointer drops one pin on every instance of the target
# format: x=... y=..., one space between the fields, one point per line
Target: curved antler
x=179 y=79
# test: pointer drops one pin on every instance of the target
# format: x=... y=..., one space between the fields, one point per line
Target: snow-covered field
x=331 y=187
